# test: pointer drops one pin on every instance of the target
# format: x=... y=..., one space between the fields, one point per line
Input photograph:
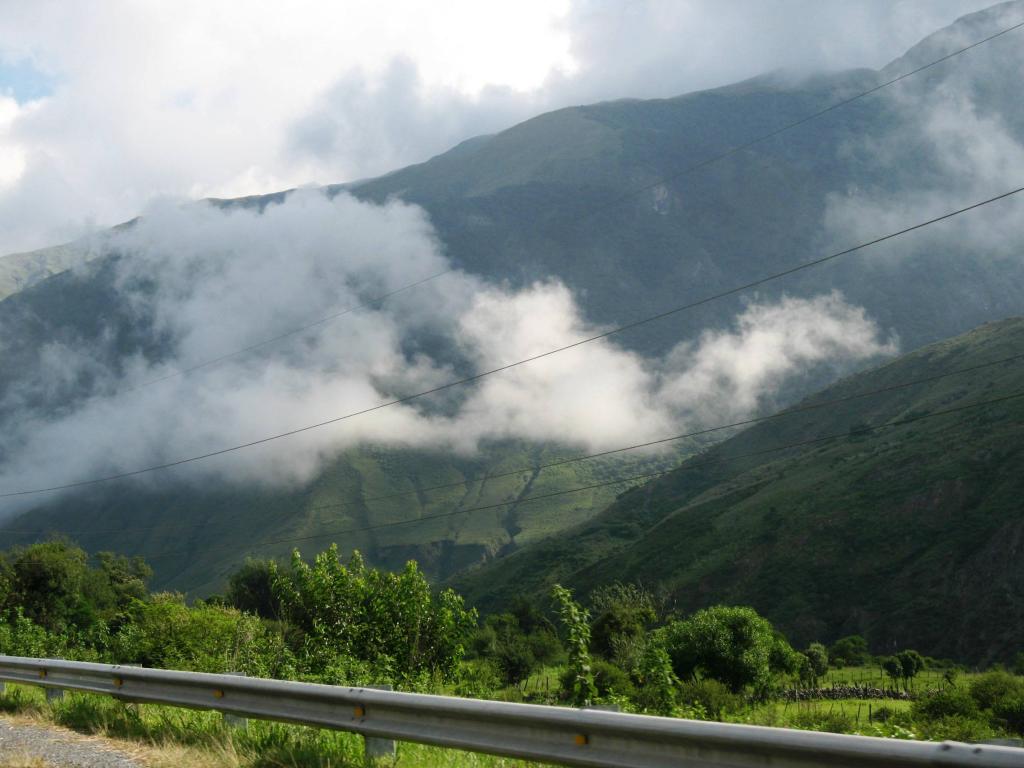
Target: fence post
x=376 y=749
x=236 y=722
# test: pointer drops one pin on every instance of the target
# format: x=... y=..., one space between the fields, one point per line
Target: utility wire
x=476 y=377
x=572 y=460
x=694 y=463
x=597 y=209
x=796 y=123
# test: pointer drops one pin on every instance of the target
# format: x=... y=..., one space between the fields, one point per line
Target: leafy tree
x=911 y=663
x=251 y=589
x=850 y=651
x=817 y=662
x=658 y=690
x=47 y=581
x=733 y=645
x=577 y=624
x=389 y=619
x=892 y=668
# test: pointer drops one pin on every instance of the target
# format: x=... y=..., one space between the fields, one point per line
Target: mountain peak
x=961 y=33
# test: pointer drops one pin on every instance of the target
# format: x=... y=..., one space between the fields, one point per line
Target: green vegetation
x=347 y=623
x=520 y=206
x=842 y=534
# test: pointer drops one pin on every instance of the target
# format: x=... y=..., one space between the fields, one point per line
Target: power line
x=707 y=458
x=597 y=209
x=796 y=123
x=572 y=460
x=532 y=358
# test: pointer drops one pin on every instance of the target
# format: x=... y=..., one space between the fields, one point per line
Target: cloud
x=201 y=281
x=207 y=100
x=953 y=142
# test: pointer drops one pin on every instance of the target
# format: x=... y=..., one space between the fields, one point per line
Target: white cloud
x=215 y=280
x=197 y=98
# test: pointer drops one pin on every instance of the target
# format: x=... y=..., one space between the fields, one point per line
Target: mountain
x=19 y=271
x=603 y=198
x=910 y=535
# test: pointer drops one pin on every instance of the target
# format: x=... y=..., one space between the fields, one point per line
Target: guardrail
x=528 y=731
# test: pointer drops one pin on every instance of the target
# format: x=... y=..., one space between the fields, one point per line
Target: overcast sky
x=107 y=105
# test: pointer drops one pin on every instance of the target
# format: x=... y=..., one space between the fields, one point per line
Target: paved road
x=57 y=748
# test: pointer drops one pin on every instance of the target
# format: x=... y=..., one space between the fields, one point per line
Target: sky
x=108 y=106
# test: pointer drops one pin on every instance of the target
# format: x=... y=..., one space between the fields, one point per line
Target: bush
x=373 y=615
x=883 y=714
x=514 y=659
x=949 y=702
x=167 y=633
x=832 y=722
x=994 y=687
x=658 y=690
x=730 y=644
x=1010 y=711
x=609 y=680
x=956 y=728
x=851 y=651
x=713 y=697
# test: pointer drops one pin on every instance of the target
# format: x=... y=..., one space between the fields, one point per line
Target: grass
x=197 y=739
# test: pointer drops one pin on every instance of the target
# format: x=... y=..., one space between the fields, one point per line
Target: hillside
x=19 y=271
x=910 y=535
x=576 y=195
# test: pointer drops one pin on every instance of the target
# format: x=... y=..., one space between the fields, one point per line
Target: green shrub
x=658 y=686
x=947 y=703
x=956 y=728
x=609 y=680
x=733 y=645
x=1010 y=712
x=169 y=634
x=823 y=720
x=387 y=619
x=993 y=687
x=850 y=651
x=477 y=679
x=883 y=714
x=514 y=659
x=713 y=697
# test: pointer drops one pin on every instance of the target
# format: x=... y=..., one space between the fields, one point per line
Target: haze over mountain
x=557 y=228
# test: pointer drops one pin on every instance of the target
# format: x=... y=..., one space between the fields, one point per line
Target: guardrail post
x=235 y=722
x=377 y=750
x=54 y=694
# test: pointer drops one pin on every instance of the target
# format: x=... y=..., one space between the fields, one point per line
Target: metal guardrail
x=528 y=731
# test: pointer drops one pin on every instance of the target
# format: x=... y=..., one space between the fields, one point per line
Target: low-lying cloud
x=207 y=281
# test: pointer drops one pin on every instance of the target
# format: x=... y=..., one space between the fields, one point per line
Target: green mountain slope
x=573 y=194
x=194 y=537
x=912 y=535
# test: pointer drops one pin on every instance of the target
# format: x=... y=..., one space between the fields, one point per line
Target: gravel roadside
x=54 y=747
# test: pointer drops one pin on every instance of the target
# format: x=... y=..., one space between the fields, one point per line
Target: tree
x=47 y=581
x=384 y=618
x=892 y=667
x=733 y=645
x=251 y=589
x=850 y=651
x=577 y=624
x=911 y=663
x=817 y=662
x=622 y=613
